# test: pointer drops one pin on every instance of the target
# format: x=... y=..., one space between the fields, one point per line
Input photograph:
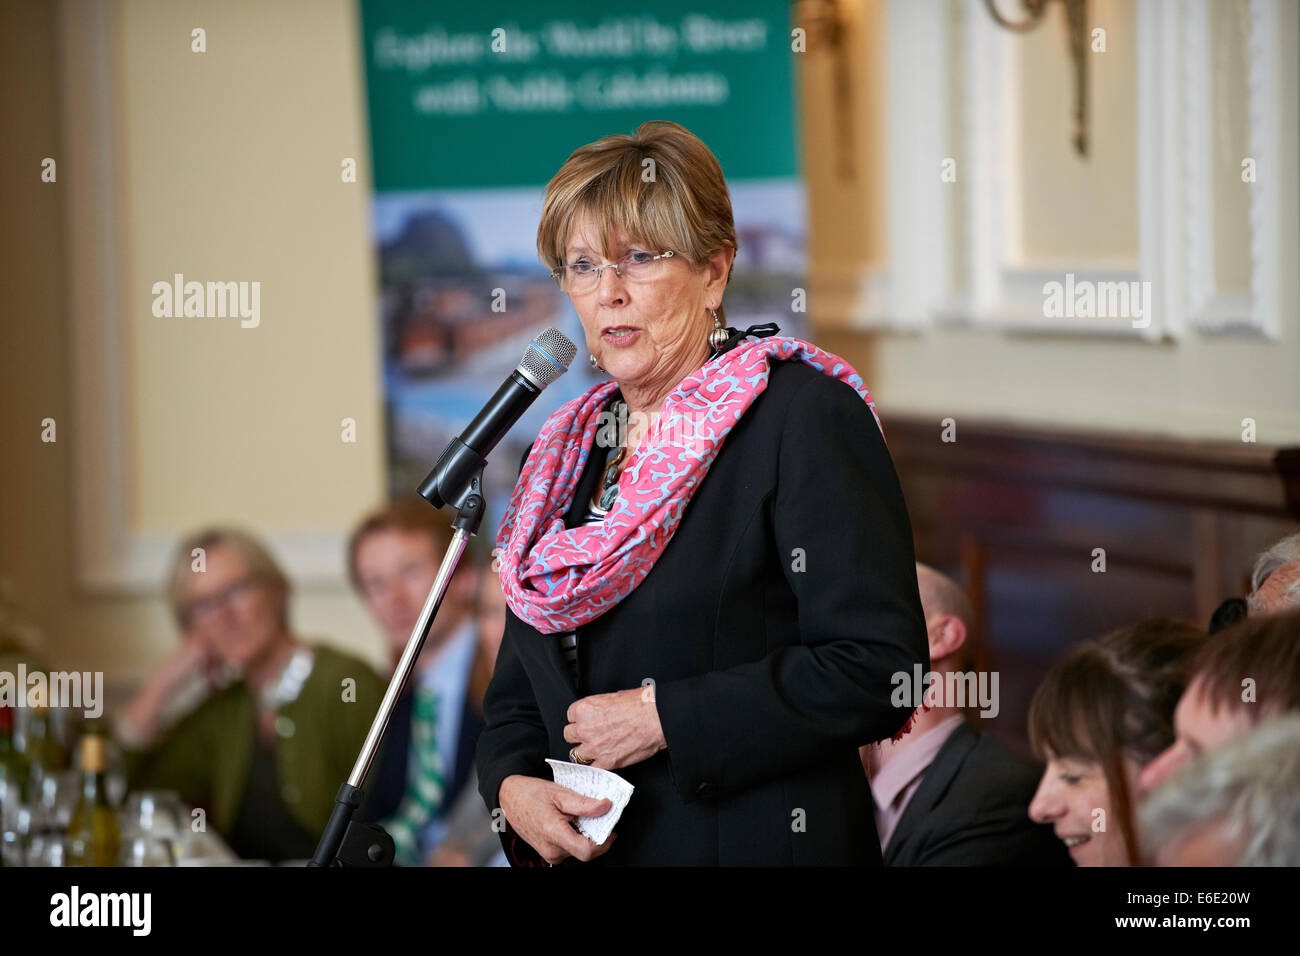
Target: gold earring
x=718 y=337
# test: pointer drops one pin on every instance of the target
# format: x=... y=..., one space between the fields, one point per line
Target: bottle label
x=92 y=754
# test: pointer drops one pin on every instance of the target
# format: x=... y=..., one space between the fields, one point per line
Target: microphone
x=458 y=472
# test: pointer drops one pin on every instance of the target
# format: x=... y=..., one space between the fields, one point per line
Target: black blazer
x=972 y=809
x=771 y=626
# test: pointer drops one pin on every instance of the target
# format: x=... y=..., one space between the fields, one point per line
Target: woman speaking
x=712 y=601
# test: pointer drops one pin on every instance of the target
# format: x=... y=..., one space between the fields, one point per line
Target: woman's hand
x=140 y=719
x=540 y=812
x=616 y=730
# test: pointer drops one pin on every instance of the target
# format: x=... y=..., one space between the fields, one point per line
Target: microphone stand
x=457 y=479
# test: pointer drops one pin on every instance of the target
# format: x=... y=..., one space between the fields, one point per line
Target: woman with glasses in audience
x=275 y=724
x=707 y=560
x=1103 y=713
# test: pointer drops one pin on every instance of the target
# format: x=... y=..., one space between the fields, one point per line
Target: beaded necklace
x=607 y=492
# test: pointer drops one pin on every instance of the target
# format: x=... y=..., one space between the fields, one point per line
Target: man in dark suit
x=947 y=794
x=427 y=756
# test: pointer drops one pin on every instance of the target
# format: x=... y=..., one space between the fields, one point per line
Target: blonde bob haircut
x=660 y=187
x=262 y=567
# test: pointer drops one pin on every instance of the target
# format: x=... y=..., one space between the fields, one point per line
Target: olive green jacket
x=207 y=755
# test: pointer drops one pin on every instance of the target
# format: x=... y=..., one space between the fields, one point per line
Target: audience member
x=1236 y=806
x=1275 y=582
x=947 y=794
x=1101 y=715
x=264 y=754
x=471 y=839
x=1241 y=678
x=428 y=752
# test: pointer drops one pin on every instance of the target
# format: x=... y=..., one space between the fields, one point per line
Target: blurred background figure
x=945 y=793
x=1275 y=581
x=1231 y=611
x=1274 y=586
x=1236 y=806
x=428 y=752
x=264 y=754
x=1101 y=715
x=1242 y=677
x=471 y=839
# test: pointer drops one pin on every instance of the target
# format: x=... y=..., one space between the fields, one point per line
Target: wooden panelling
x=1016 y=514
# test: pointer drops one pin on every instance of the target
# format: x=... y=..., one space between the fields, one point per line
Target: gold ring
x=573 y=755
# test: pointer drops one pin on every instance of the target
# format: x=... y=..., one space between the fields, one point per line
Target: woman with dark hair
x=1103 y=713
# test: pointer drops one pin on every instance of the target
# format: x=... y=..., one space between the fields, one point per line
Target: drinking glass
x=52 y=849
x=147 y=851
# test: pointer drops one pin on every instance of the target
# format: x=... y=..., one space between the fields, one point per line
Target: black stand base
x=358 y=844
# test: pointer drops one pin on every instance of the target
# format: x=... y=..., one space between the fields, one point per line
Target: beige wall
x=234 y=163
x=1075 y=212
x=229 y=169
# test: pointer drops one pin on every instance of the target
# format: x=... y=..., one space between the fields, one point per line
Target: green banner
x=499 y=94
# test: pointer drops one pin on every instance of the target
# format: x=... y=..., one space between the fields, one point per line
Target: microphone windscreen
x=548 y=357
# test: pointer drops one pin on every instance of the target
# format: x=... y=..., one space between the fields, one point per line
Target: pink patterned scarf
x=557 y=578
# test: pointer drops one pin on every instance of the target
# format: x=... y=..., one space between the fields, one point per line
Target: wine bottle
x=96 y=838
x=13 y=782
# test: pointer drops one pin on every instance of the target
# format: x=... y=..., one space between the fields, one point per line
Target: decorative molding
x=1032 y=503
x=1005 y=294
x=110 y=555
x=88 y=47
x=1262 y=80
x=1196 y=156
x=1021 y=300
x=983 y=130
x=1242 y=477
x=916 y=286
x=854 y=299
x=1160 y=145
x=1209 y=308
x=873 y=301
x=907 y=291
x=919 y=232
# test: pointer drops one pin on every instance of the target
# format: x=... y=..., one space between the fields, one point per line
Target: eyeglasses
x=634 y=266
x=204 y=607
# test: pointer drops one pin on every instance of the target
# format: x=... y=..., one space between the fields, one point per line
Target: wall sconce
x=1076 y=24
